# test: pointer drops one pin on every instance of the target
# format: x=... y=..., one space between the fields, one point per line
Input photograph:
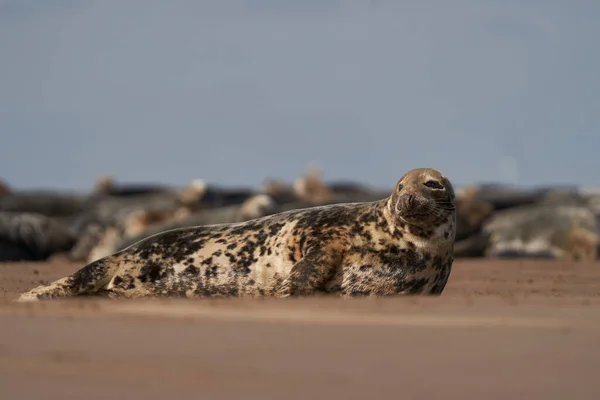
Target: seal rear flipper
x=87 y=280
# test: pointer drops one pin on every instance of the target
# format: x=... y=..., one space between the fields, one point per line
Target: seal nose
x=409 y=200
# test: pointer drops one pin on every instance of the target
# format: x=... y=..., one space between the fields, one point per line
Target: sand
x=501 y=330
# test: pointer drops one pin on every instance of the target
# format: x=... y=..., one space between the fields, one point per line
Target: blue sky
x=238 y=91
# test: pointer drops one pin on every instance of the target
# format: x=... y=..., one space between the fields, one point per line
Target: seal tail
x=87 y=280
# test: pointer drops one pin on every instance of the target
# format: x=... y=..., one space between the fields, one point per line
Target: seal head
x=423 y=197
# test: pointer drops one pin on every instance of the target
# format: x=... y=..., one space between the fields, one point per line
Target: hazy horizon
x=235 y=92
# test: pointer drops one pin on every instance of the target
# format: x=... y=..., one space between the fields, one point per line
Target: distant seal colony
x=402 y=244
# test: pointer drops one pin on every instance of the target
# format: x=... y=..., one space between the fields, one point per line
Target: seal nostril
x=409 y=200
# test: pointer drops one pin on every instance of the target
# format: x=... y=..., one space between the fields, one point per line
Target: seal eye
x=433 y=185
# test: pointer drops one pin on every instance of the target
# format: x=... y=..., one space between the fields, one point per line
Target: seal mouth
x=417 y=211
x=409 y=205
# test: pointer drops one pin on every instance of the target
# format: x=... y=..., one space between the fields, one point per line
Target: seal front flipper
x=88 y=279
x=311 y=273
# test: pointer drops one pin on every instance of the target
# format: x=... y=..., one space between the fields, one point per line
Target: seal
x=32 y=237
x=553 y=231
x=402 y=244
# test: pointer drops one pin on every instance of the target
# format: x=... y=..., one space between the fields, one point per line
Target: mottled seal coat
x=402 y=244
x=143 y=223
x=543 y=231
x=255 y=207
x=31 y=237
x=110 y=217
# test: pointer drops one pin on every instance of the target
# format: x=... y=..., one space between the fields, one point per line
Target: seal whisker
x=441 y=210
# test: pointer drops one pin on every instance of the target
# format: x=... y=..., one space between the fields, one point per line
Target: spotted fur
x=32 y=236
x=402 y=244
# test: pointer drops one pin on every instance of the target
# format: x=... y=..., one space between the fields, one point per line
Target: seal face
x=402 y=244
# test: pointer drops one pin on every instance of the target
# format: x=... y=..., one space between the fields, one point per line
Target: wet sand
x=510 y=329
